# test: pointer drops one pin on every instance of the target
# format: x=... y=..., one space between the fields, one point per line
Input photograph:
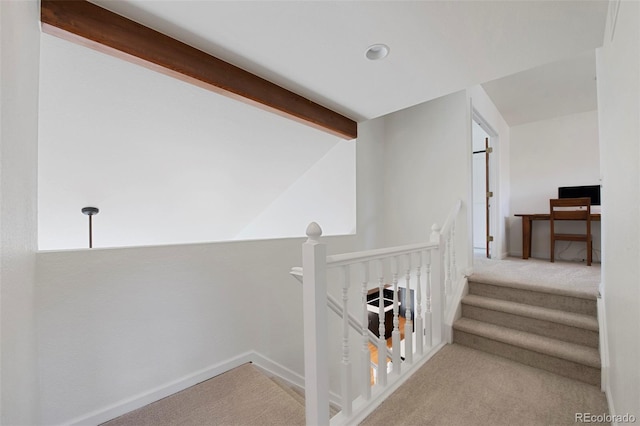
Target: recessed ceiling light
x=377 y=51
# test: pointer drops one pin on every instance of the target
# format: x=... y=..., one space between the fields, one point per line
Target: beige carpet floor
x=243 y=396
x=460 y=386
x=560 y=277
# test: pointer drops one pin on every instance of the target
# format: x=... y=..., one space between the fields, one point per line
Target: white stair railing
x=429 y=269
x=336 y=307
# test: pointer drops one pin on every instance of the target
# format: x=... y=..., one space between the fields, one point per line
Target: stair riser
x=533 y=325
x=545 y=300
x=555 y=365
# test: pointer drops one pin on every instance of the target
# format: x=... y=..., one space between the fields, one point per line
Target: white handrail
x=451 y=217
x=452 y=280
x=376 y=254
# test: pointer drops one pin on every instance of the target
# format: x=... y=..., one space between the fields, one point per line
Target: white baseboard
x=604 y=352
x=122 y=407
x=275 y=369
x=612 y=409
x=291 y=377
x=604 y=344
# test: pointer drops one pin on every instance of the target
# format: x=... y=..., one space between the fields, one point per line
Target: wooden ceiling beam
x=90 y=25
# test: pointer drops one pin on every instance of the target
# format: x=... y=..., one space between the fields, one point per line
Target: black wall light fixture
x=90 y=211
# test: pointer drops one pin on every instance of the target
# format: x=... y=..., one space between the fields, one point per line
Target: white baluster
x=454 y=267
x=418 y=311
x=437 y=292
x=428 y=323
x=346 y=363
x=365 y=354
x=447 y=273
x=382 y=342
x=395 y=336
x=316 y=335
x=437 y=287
x=408 y=325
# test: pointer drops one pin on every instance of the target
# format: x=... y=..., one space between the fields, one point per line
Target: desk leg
x=526 y=237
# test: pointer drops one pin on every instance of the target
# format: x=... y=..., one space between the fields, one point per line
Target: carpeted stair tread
x=560 y=278
x=552 y=315
x=568 y=351
x=507 y=282
x=531 y=296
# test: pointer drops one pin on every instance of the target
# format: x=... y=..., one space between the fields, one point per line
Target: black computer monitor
x=591 y=191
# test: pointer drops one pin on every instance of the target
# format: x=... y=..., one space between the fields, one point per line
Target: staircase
x=555 y=331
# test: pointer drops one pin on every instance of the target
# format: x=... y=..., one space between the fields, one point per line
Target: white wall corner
x=272 y=368
x=19 y=68
x=483 y=110
x=112 y=411
x=325 y=192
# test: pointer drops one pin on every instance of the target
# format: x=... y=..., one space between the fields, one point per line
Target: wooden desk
x=527 y=223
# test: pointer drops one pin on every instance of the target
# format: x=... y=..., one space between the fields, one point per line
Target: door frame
x=477 y=118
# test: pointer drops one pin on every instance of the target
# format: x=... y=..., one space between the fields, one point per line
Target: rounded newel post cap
x=435 y=233
x=314 y=231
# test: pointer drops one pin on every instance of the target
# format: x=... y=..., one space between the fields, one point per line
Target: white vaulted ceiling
x=131 y=141
x=316 y=48
x=551 y=90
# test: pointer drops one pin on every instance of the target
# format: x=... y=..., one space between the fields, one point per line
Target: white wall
x=370 y=181
x=19 y=53
x=168 y=162
x=325 y=194
x=482 y=104
x=545 y=155
x=427 y=169
x=618 y=67
x=116 y=324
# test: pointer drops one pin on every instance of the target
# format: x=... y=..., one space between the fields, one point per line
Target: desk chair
x=581 y=211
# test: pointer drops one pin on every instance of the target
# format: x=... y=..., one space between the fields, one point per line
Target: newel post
x=314 y=304
x=435 y=233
